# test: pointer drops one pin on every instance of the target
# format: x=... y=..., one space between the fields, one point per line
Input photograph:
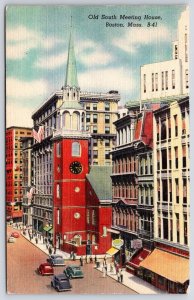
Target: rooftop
x=100 y=180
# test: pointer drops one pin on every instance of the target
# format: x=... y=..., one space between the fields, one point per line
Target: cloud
x=136 y=37
x=19 y=89
x=20 y=40
x=107 y=79
x=90 y=53
x=17 y=115
x=52 y=61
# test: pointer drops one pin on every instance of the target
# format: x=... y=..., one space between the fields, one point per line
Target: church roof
x=71 y=70
x=100 y=180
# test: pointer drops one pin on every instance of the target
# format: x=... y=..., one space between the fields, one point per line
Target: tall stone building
x=14 y=172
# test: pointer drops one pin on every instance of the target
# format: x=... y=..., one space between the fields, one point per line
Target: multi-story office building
x=101 y=113
x=171 y=198
x=14 y=172
x=27 y=179
x=171 y=152
x=167 y=78
x=132 y=180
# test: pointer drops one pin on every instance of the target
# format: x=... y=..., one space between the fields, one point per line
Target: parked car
x=15 y=234
x=11 y=239
x=73 y=271
x=45 y=269
x=61 y=283
x=56 y=260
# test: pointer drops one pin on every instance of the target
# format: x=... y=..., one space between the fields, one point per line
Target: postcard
x=97 y=149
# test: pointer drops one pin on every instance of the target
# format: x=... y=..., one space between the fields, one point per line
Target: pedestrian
x=30 y=237
x=55 y=249
x=81 y=261
x=111 y=268
x=91 y=260
x=71 y=254
x=95 y=259
x=117 y=268
x=121 y=276
x=74 y=256
x=50 y=251
x=36 y=239
x=105 y=260
x=118 y=276
x=106 y=268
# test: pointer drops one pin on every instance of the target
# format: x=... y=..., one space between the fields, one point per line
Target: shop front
x=168 y=272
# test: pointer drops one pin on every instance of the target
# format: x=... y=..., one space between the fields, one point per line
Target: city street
x=23 y=258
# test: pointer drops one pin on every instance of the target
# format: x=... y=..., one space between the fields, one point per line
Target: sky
x=108 y=58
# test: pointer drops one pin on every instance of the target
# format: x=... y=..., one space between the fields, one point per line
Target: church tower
x=70 y=165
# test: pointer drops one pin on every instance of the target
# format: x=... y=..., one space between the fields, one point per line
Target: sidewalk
x=133 y=282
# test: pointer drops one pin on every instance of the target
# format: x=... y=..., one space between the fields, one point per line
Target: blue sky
x=107 y=57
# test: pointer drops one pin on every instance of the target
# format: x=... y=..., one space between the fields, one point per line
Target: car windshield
x=47 y=267
x=76 y=269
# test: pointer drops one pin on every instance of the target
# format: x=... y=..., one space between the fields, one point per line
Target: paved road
x=23 y=258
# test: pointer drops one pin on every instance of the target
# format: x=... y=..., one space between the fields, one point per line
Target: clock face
x=75 y=167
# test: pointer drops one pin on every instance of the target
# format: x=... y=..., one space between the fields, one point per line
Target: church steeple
x=71 y=71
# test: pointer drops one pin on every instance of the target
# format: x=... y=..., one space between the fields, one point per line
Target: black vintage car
x=61 y=283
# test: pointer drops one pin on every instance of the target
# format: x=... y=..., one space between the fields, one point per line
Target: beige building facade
x=171 y=176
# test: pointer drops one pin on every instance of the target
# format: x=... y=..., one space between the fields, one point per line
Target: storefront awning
x=47 y=228
x=167 y=265
x=112 y=251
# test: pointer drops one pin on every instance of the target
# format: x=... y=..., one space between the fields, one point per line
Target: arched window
x=76 y=149
x=58 y=191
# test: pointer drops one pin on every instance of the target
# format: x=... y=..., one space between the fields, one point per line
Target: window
x=58 y=191
x=95 y=154
x=177 y=227
x=186 y=48
x=95 y=118
x=176 y=157
x=76 y=149
x=87 y=106
x=107 y=106
x=177 y=190
x=88 y=216
x=173 y=79
x=107 y=154
x=58 y=216
x=165 y=190
x=184 y=159
x=95 y=106
x=183 y=123
x=87 y=117
x=107 y=119
x=166 y=79
x=144 y=83
x=107 y=142
x=156 y=81
x=95 y=129
x=163 y=81
x=107 y=129
x=176 y=125
x=164 y=159
x=95 y=143
x=184 y=191
x=163 y=130
x=93 y=217
x=185 y=230
x=58 y=149
x=152 y=82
